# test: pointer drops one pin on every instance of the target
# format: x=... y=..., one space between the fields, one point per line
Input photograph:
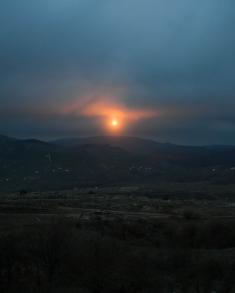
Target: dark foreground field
x=119 y=240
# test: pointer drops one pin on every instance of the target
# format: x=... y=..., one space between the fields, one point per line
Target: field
x=174 y=238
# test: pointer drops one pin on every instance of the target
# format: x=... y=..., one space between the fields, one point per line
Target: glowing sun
x=114 y=122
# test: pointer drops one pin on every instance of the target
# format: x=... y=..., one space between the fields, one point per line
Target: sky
x=164 y=69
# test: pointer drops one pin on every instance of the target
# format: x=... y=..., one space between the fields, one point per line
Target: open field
x=119 y=240
x=162 y=201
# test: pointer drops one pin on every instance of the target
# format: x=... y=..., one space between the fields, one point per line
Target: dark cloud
x=173 y=56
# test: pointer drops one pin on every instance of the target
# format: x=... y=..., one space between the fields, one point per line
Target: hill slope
x=193 y=156
x=33 y=164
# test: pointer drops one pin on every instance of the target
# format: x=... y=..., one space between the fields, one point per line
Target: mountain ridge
x=35 y=164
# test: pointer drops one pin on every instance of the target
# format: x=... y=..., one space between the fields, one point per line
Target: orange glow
x=108 y=108
x=114 y=123
x=112 y=113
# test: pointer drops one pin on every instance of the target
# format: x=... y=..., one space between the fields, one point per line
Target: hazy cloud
x=173 y=57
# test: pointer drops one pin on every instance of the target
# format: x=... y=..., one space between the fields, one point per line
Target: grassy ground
x=154 y=239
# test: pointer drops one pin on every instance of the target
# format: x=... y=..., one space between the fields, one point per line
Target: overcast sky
x=174 y=58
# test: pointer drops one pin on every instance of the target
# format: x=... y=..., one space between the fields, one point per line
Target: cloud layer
x=171 y=63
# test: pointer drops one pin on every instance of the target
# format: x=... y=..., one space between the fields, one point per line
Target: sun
x=114 y=122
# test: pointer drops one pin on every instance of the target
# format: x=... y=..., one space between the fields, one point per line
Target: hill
x=191 y=156
x=39 y=165
x=131 y=144
x=69 y=163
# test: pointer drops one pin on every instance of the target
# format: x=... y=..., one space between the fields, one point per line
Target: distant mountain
x=132 y=144
x=68 y=163
x=192 y=156
x=33 y=164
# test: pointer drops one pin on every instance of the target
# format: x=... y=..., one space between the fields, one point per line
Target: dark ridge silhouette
x=31 y=163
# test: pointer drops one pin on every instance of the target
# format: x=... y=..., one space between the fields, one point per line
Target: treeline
x=119 y=256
